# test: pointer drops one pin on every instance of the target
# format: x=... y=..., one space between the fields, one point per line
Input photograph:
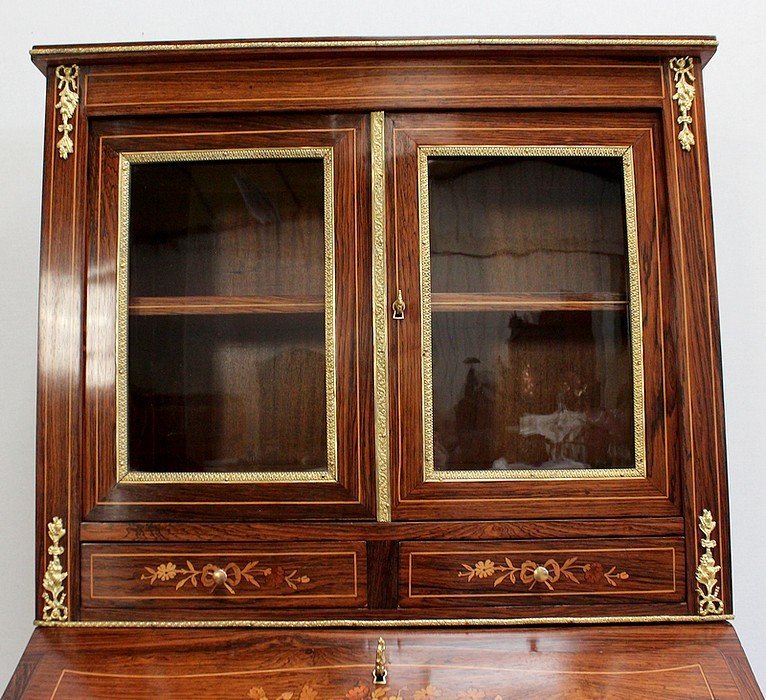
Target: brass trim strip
x=124 y=474
x=380 y=312
x=371 y=43
x=430 y=473
x=388 y=623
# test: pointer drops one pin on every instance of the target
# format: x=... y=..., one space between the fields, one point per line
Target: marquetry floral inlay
x=362 y=691
x=549 y=573
x=209 y=576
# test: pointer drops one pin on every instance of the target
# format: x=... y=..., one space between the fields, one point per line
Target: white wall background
x=736 y=105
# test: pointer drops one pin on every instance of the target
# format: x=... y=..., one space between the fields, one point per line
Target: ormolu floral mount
x=707 y=571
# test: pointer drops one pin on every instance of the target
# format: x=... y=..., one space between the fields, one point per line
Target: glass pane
x=227 y=393
x=227 y=327
x=531 y=361
x=532 y=390
x=227 y=228
x=518 y=224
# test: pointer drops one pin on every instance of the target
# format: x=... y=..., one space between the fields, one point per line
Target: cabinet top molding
x=704 y=46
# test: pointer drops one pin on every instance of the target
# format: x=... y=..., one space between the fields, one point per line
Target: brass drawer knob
x=541 y=574
x=219 y=576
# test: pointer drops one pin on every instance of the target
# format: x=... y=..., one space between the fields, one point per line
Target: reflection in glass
x=530 y=337
x=532 y=390
x=227 y=393
x=237 y=227
x=227 y=331
x=537 y=224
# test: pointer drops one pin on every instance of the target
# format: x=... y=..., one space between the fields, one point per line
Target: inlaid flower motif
x=308 y=693
x=471 y=694
x=257 y=693
x=548 y=574
x=593 y=572
x=485 y=568
x=166 y=572
x=360 y=692
x=208 y=578
x=428 y=692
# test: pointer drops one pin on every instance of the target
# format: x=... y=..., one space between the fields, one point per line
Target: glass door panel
x=226 y=322
x=531 y=313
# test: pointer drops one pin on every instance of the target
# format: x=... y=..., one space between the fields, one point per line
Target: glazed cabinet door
x=527 y=379
x=227 y=364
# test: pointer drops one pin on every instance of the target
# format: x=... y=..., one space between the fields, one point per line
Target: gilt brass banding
x=625 y=153
x=124 y=474
x=371 y=43
x=386 y=623
x=380 y=313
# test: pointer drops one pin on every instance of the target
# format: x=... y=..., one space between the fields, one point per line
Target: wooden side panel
x=188 y=577
x=60 y=346
x=541 y=573
x=696 y=311
x=663 y=661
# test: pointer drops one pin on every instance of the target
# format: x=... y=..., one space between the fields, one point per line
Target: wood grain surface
x=648 y=661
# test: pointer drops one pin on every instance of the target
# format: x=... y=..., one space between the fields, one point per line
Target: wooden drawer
x=267 y=576
x=539 y=572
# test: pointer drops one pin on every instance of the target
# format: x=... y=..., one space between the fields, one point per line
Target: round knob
x=541 y=574
x=219 y=576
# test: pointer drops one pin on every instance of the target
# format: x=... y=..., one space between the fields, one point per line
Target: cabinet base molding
x=388 y=622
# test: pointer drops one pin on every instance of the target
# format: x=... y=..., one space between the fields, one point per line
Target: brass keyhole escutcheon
x=398 y=306
x=541 y=574
x=380 y=671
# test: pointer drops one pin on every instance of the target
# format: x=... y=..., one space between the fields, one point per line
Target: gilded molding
x=124 y=474
x=684 y=95
x=707 y=570
x=638 y=471
x=380 y=313
x=54 y=595
x=383 y=623
x=67 y=83
x=372 y=43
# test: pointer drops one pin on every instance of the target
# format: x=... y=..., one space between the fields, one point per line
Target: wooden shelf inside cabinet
x=527 y=302
x=202 y=305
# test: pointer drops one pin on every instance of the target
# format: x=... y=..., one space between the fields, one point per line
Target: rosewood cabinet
x=379 y=333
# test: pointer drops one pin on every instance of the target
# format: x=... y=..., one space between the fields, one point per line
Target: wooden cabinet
x=393 y=332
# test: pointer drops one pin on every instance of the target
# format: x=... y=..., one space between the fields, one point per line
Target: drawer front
x=530 y=573
x=266 y=576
